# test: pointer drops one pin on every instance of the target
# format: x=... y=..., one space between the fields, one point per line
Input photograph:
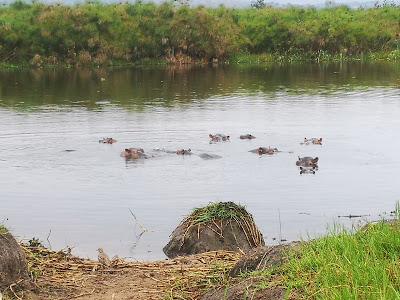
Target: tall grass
x=364 y=265
x=102 y=34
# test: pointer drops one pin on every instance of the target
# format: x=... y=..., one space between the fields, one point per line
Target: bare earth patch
x=59 y=275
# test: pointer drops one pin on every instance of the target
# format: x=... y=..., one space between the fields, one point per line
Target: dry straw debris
x=60 y=275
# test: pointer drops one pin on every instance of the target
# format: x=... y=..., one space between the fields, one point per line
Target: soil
x=246 y=290
x=63 y=276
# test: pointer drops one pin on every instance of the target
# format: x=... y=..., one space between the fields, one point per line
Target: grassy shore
x=364 y=265
x=341 y=265
x=318 y=57
x=98 y=34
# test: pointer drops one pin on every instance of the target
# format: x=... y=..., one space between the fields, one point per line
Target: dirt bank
x=59 y=275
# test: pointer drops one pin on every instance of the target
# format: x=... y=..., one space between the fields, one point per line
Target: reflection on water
x=178 y=86
x=56 y=177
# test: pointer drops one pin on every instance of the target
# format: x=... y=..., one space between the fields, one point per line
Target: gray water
x=87 y=198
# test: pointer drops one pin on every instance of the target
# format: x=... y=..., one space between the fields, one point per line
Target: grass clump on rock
x=219 y=211
x=3 y=230
x=217 y=226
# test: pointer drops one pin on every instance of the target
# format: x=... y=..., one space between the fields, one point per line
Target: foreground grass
x=342 y=265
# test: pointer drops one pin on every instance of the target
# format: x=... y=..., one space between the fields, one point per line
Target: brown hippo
x=218 y=137
x=247 y=137
x=184 y=152
x=314 y=141
x=107 y=141
x=264 y=150
x=307 y=162
x=133 y=153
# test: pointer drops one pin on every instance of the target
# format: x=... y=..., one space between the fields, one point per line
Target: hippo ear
x=126 y=150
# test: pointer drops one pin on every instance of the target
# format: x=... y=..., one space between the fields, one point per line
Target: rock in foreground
x=262 y=258
x=218 y=226
x=13 y=266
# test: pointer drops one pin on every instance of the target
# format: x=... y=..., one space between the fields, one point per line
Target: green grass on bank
x=342 y=265
x=96 y=33
x=365 y=265
x=318 y=57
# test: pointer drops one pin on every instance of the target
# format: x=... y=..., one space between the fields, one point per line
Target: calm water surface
x=84 y=198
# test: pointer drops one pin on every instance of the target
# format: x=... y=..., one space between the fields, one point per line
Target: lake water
x=87 y=198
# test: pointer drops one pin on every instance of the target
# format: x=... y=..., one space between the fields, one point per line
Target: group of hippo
x=306 y=164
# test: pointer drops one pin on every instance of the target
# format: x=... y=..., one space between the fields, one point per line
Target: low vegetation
x=94 y=33
x=364 y=265
x=218 y=211
x=341 y=265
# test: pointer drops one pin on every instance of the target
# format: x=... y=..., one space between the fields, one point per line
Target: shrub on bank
x=103 y=34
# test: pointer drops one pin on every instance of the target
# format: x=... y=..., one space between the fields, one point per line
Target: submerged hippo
x=314 y=141
x=265 y=150
x=133 y=153
x=307 y=162
x=107 y=141
x=204 y=156
x=207 y=156
x=218 y=137
x=184 y=152
x=247 y=137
